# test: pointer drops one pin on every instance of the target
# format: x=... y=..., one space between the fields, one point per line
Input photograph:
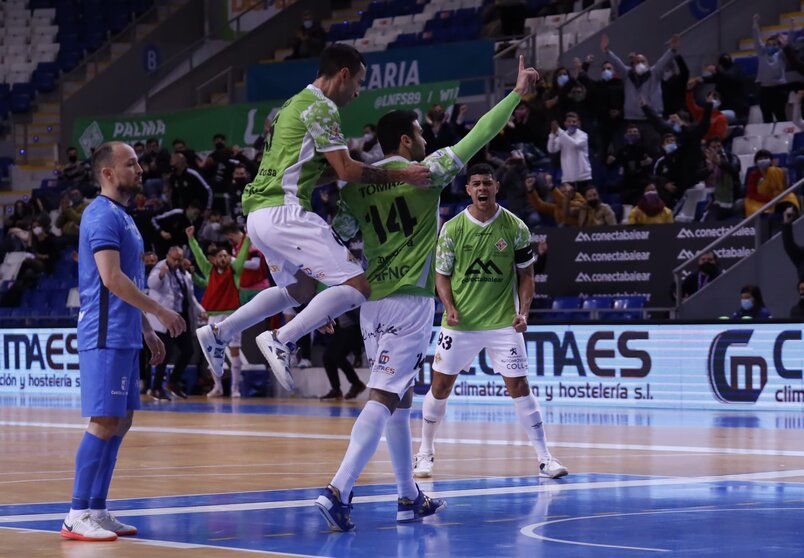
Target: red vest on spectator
x=253 y=278
x=221 y=294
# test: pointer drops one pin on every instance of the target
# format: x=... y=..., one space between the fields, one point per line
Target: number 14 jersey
x=399 y=223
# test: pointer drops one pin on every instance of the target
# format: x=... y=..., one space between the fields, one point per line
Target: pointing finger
x=521 y=62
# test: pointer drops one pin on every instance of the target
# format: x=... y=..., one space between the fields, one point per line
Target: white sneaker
x=216 y=391
x=109 y=522
x=235 y=393
x=552 y=468
x=278 y=355
x=214 y=349
x=85 y=528
x=304 y=363
x=423 y=465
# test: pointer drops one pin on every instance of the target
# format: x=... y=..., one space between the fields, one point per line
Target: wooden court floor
x=212 y=450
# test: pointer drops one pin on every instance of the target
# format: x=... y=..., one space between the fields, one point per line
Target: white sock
x=236 y=368
x=325 y=307
x=76 y=514
x=400 y=446
x=269 y=302
x=530 y=417
x=363 y=442
x=433 y=411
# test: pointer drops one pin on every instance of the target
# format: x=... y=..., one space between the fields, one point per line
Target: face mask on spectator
x=72 y=158
x=715 y=104
x=308 y=23
x=562 y=80
x=578 y=97
x=215 y=226
x=763 y=163
x=670 y=147
x=606 y=75
x=367 y=137
x=593 y=203
x=437 y=116
x=631 y=138
x=709 y=268
x=772 y=50
x=641 y=68
x=241 y=181
x=747 y=303
x=220 y=145
x=801 y=299
x=78 y=198
x=571 y=129
x=676 y=127
x=37 y=230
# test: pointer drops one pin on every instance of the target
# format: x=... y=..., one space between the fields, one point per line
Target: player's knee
x=441 y=385
x=518 y=387
x=361 y=284
x=104 y=427
x=234 y=352
x=301 y=292
x=390 y=400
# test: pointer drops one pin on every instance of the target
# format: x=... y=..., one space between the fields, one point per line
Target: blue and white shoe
x=214 y=349
x=278 y=356
x=551 y=467
x=408 y=510
x=337 y=514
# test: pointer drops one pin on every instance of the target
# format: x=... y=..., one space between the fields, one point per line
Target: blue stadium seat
x=598 y=302
x=565 y=303
x=57 y=299
x=627 y=308
x=798 y=141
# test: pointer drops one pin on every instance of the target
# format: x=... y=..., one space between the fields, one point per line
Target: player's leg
x=506 y=350
x=455 y=352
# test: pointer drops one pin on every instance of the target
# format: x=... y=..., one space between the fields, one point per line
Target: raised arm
x=618 y=64
x=200 y=258
x=350 y=170
x=759 y=46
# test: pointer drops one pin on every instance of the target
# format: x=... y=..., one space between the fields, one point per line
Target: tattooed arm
x=354 y=171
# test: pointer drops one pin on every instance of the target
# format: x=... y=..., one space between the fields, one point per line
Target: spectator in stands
x=566 y=204
x=344 y=340
x=139 y=149
x=607 y=95
x=512 y=176
x=370 y=146
x=708 y=271
x=310 y=38
x=650 y=209
x=642 y=82
x=210 y=232
x=234 y=208
x=20 y=218
x=505 y=18
x=72 y=207
x=172 y=225
x=172 y=287
x=595 y=213
x=794 y=251
x=723 y=179
x=561 y=85
x=797 y=311
x=218 y=169
x=770 y=76
x=636 y=163
x=730 y=84
x=674 y=83
x=155 y=163
x=74 y=171
x=188 y=185
x=437 y=131
x=667 y=170
x=577 y=99
x=752 y=307
x=254 y=277
x=180 y=146
x=764 y=183
x=522 y=129
x=573 y=145
x=718 y=123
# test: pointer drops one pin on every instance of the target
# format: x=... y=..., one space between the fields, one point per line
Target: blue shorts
x=110 y=382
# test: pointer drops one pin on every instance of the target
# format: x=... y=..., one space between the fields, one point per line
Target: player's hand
x=554 y=127
x=327 y=328
x=203 y=316
x=156 y=347
x=172 y=321
x=190 y=231
x=166 y=235
x=756 y=19
x=525 y=77
x=604 y=43
x=452 y=317
x=520 y=323
x=418 y=175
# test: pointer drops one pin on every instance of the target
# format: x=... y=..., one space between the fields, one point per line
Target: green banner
x=242 y=124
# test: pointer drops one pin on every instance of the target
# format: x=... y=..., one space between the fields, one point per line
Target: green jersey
x=307 y=126
x=399 y=223
x=481 y=260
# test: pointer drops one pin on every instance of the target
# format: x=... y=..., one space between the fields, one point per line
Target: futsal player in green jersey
x=484 y=278
x=399 y=227
x=298 y=245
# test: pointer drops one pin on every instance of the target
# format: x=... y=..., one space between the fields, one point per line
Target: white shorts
x=292 y=239
x=218 y=318
x=396 y=331
x=505 y=348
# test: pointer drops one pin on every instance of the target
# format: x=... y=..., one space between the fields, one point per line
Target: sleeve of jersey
x=487 y=127
x=324 y=124
x=104 y=231
x=445 y=253
x=523 y=251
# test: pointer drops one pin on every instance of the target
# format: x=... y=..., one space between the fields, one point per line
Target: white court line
x=474 y=492
x=456 y=441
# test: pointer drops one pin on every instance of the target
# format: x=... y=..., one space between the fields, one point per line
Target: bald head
x=116 y=169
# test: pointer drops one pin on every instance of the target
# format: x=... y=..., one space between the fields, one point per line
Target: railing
x=614 y=12
x=750 y=219
x=226 y=77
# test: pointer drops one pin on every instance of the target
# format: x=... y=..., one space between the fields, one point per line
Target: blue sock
x=100 y=487
x=87 y=463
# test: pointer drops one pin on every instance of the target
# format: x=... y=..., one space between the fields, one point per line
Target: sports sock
x=87 y=463
x=400 y=442
x=236 y=368
x=100 y=486
x=530 y=417
x=433 y=411
x=269 y=302
x=325 y=307
x=363 y=442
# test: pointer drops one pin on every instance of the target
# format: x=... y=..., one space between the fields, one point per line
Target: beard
x=130 y=189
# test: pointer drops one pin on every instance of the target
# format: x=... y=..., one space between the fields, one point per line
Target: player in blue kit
x=111 y=326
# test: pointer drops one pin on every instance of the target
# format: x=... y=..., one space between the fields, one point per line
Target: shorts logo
x=124 y=384
x=308 y=271
x=320 y=275
x=273 y=268
x=513 y=351
x=384 y=358
x=501 y=245
x=381 y=364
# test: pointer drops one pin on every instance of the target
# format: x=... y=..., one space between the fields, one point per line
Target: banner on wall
x=630 y=261
x=243 y=123
x=726 y=366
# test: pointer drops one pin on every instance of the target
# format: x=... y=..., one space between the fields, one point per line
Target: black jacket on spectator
x=730 y=84
x=444 y=137
x=173 y=222
x=154 y=165
x=606 y=96
x=674 y=89
x=630 y=158
x=794 y=251
x=190 y=186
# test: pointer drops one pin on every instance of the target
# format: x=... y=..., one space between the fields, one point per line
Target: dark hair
x=572 y=115
x=178 y=140
x=480 y=168
x=194 y=205
x=102 y=157
x=755 y=293
x=219 y=136
x=668 y=136
x=152 y=140
x=763 y=153
x=714 y=139
x=215 y=249
x=71 y=148
x=371 y=127
x=392 y=126
x=230 y=228
x=338 y=56
x=138 y=143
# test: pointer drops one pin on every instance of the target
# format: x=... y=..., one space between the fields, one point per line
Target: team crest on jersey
x=437 y=358
x=273 y=268
x=501 y=245
x=335 y=133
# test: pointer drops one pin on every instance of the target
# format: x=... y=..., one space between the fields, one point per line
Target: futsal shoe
x=109 y=522
x=213 y=348
x=216 y=391
x=423 y=465
x=85 y=528
x=408 y=510
x=355 y=390
x=278 y=356
x=552 y=468
x=337 y=514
